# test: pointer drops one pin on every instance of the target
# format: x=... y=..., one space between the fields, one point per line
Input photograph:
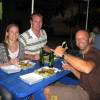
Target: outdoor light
x=86 y=25
x=32 y=7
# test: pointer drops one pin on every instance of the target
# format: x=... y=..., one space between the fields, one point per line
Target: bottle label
x=46 y=58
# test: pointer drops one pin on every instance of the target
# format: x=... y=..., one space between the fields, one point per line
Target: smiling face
x=82 y=40
x=12 y=33
x=36 y=22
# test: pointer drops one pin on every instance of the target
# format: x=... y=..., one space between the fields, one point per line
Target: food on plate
x=24 y=64
x=50 y=71
x=45 y=72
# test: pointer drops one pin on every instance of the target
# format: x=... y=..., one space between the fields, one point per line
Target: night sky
x=19 y=11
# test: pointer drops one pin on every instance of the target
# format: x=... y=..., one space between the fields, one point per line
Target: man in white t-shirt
x=34 y=38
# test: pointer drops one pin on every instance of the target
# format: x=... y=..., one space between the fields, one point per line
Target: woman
x=11 y=51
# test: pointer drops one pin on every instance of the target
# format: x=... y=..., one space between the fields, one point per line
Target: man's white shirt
x=32 y=43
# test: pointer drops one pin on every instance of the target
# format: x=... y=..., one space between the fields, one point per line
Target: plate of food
x=25 y=64
x=46 y=71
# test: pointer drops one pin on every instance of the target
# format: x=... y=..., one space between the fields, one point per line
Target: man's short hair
x=36 y=14
x=84 y=31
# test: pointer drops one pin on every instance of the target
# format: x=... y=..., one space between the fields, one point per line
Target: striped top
x=4 y=54
x=32 y=43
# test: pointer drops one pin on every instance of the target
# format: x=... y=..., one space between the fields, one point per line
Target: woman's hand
x=36 y=57
x=14 y=61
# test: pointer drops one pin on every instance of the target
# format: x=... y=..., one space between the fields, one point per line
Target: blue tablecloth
x=21 y=90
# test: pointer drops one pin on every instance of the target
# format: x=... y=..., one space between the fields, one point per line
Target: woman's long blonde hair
x=7 y=30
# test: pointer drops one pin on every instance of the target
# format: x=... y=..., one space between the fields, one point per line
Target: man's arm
x=73 y=70
x=47 y=48
x=77 y=63
x=32 y=57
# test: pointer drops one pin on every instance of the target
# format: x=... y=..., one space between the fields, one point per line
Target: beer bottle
x=51 y=59
x=41 y=57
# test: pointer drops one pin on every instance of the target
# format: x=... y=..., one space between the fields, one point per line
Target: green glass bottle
x=51 y=59
x=41 y=58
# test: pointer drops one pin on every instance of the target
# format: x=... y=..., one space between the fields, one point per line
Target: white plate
x=26 y=67
x=31 y=78
x=11 y=69
x=46 y=71
x=46 y=67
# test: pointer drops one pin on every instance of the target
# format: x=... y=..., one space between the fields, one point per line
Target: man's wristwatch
x=63 y=56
